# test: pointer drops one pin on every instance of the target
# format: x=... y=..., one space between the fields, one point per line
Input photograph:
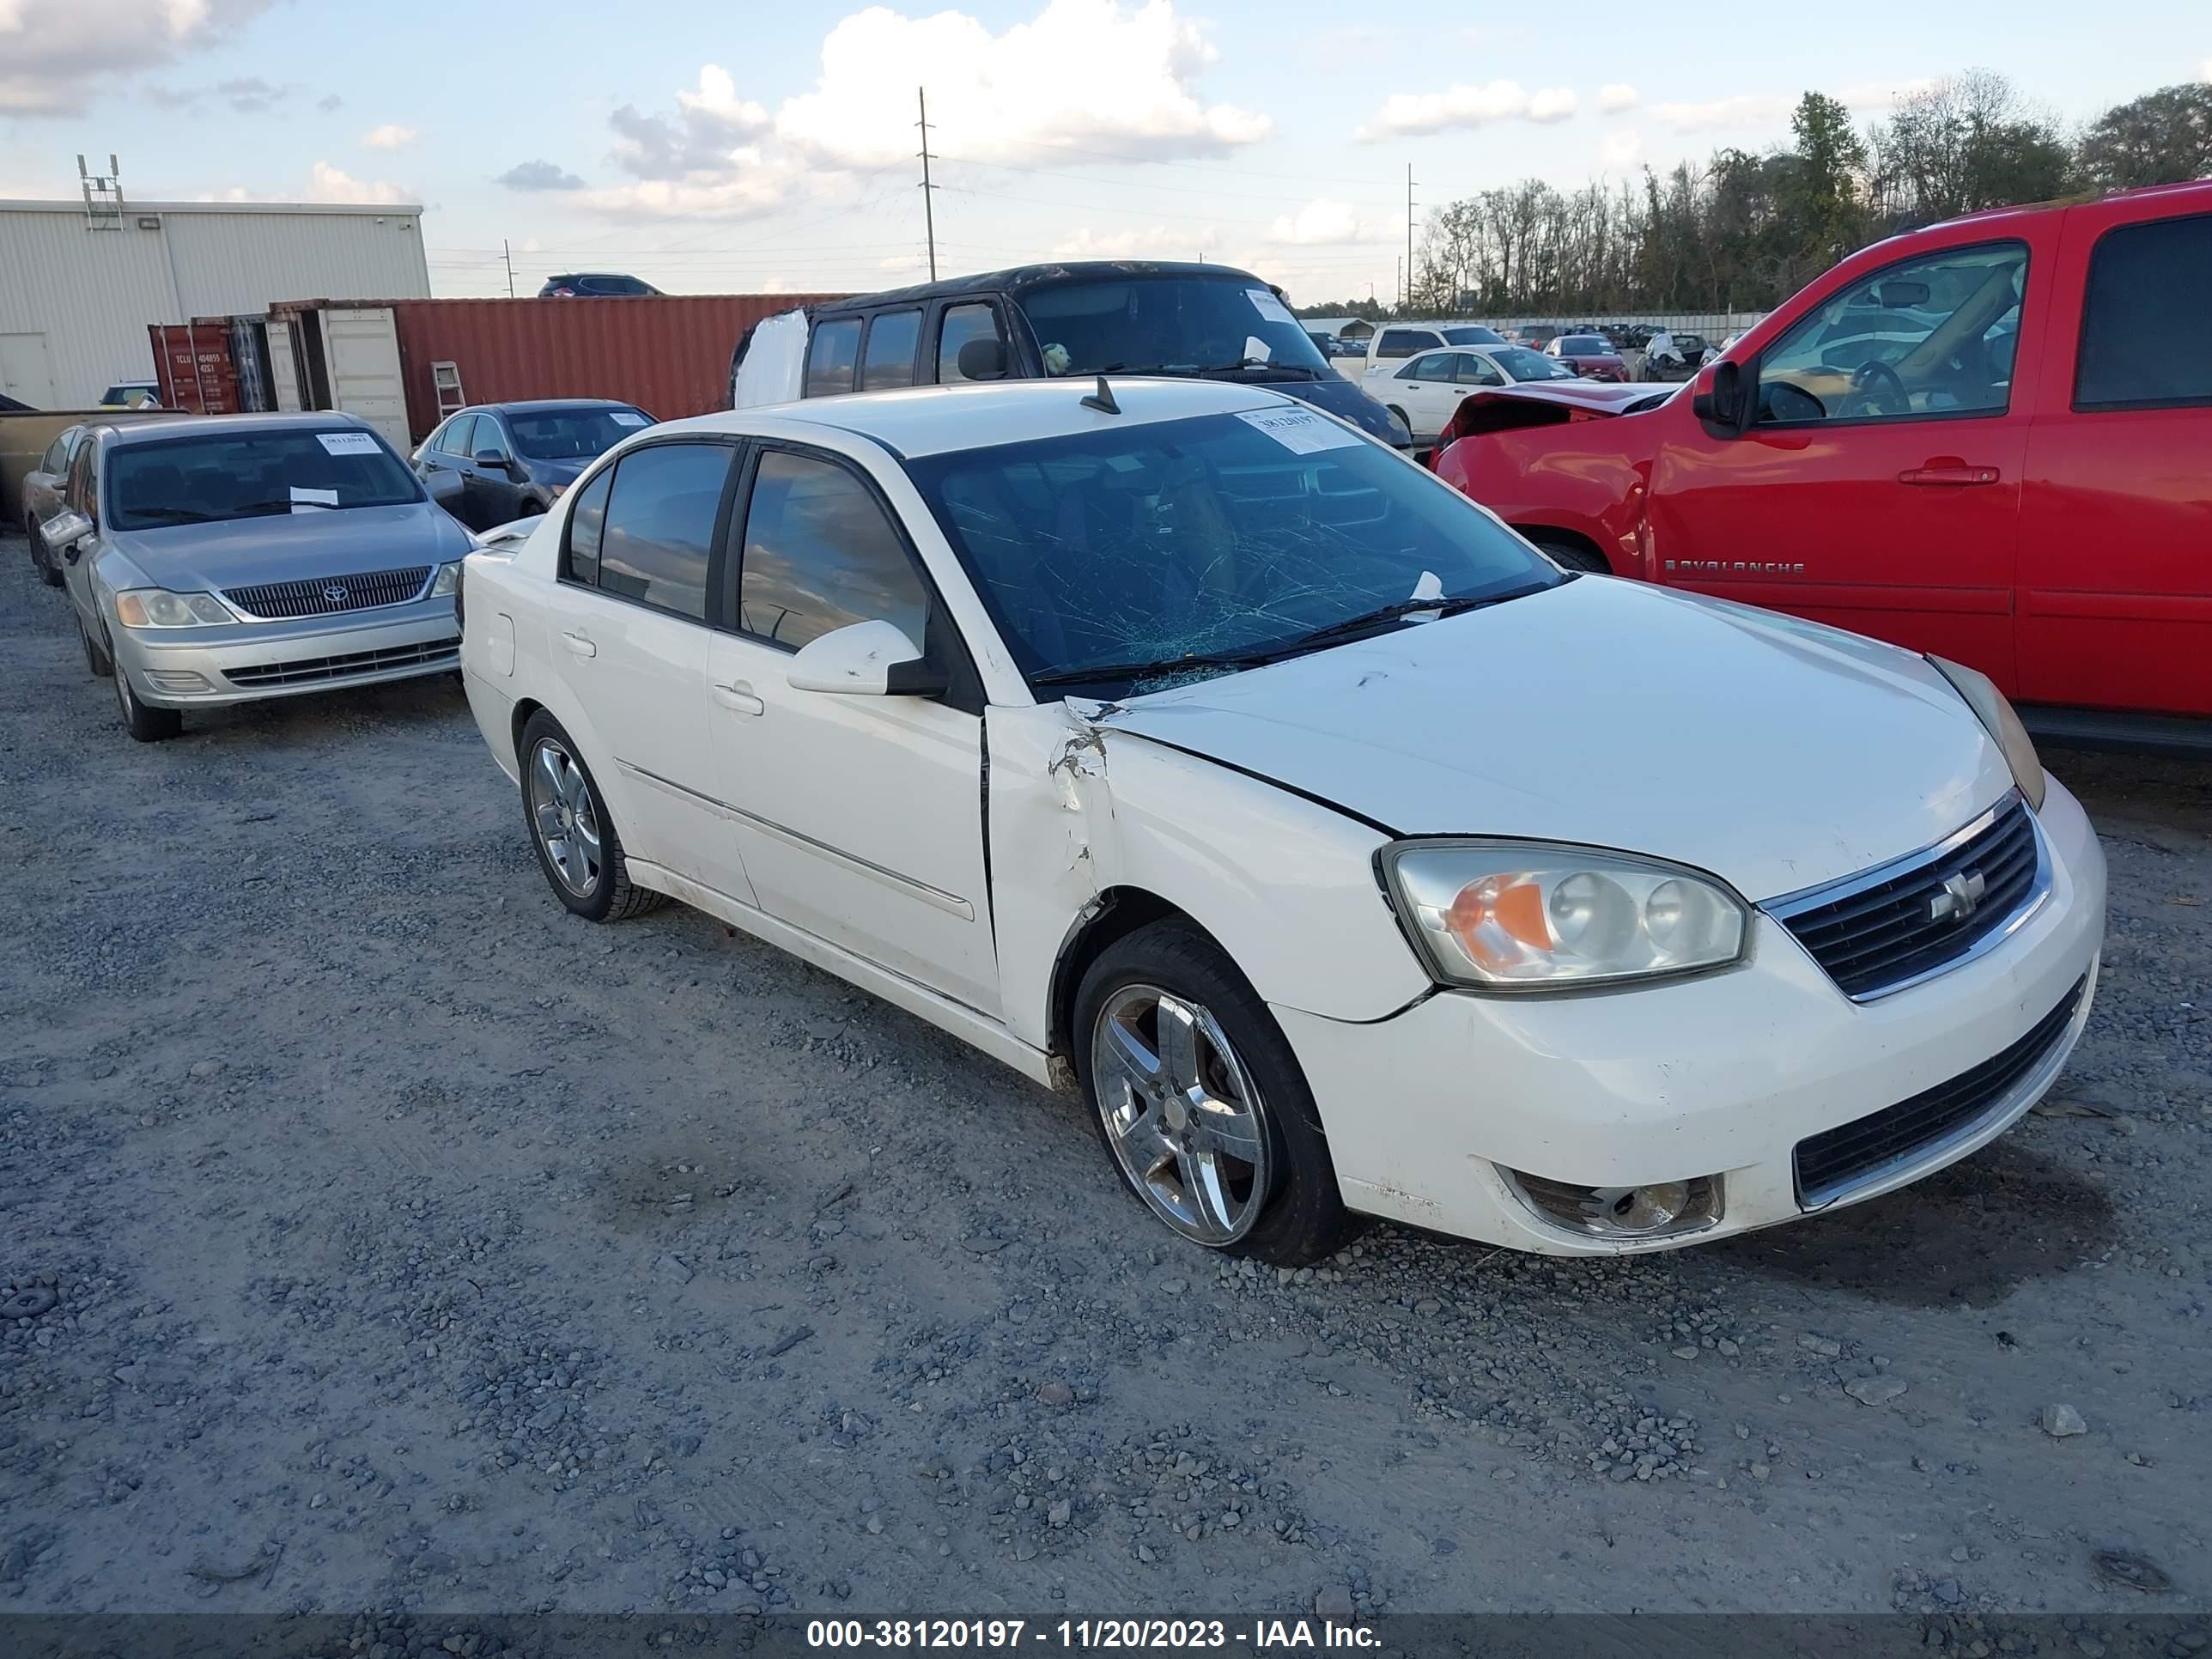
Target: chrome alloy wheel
x=561 y=808
x=1181 y=1114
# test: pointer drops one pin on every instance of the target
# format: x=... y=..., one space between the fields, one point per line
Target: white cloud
x=1413 y=114
x=390 y=135
x=1616 y=96
x=1155 y=242
x=539 y=175
x=55 y=54
x=328 y=184
x=1884 y=95
x=1743 y=109
x=747 y=196
x=1090 y=75
x=706 y=135
x=1620 y=150
x=1320 y=224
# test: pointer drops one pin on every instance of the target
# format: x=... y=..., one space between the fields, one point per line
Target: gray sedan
x=233 y=558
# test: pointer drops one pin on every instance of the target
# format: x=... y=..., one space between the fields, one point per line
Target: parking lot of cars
x=482 y=1259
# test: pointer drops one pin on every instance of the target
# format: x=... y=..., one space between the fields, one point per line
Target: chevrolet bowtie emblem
x=1961 y=897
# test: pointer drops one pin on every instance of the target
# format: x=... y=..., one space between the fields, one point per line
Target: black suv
x=492 y=463
x=595 y=285
x=1078 y=320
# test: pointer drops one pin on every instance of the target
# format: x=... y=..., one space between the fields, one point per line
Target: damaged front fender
x=1078 y=810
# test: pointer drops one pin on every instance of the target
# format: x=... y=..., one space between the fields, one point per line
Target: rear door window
x=1434 y=366
x=892 y=338
x=831 y=357
x=2133 y=356
x=659 y=533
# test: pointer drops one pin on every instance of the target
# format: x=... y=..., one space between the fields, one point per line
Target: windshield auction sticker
x=347 y=443
x=1300 y=431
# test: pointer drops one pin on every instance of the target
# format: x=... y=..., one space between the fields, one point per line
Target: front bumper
x=208 y=667
x=1719 y=1076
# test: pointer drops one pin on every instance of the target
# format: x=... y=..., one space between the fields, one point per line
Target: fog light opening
x=1659 y=1209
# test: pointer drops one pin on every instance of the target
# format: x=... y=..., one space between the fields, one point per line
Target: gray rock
x=673 y=1270
x=2060 y=1421
x=1874 y=1390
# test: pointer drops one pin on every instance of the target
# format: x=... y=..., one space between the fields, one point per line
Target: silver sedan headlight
x=449 y=579
x=157 y=607
x=1533 y=916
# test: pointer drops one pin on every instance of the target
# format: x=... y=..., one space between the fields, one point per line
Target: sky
x=746 y=146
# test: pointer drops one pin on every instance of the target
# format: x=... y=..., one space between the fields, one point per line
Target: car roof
x=936 y=420
x=547 y=402
x=187 y=426
x=1015 y=278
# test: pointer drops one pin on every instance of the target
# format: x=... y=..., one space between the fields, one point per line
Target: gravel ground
x=382 y=1237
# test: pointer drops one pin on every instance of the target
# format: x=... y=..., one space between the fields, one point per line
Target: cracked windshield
x=1134 y=557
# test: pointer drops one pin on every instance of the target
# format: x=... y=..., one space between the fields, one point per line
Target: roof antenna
x=1103 y=399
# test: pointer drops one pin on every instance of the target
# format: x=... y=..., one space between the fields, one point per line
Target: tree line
x=1744 y=231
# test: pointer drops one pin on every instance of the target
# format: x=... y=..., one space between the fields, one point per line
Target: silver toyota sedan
x=231 y=558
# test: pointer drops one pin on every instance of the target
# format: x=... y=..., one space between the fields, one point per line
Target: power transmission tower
x=928 y=190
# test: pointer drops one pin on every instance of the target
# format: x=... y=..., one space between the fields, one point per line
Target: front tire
x=143 y=721
x=1573 y=556
x=571 y=830
x=1201 y=1103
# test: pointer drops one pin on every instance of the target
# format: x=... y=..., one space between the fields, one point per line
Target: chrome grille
x=1833 y=1163
x=328 y=596
x=431 y=654
x=1896 y=925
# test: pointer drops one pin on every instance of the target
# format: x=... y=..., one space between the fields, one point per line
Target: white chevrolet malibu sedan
x=1174 y=742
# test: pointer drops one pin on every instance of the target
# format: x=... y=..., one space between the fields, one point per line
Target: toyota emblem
x=335 y=594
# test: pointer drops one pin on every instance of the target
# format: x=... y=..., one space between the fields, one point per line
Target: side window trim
x=945 y=643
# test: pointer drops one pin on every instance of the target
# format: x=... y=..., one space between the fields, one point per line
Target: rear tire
x=1276 y=1199
x=571 y=830
x=1573 y=556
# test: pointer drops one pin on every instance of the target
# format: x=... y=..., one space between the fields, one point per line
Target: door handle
x=579 y=645
x=1945 y=471
x=739 y=697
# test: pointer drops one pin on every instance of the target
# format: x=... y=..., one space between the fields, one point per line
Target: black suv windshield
x=1084 y=326
x=1136 y=555
x=571 y=434
x=245 y=475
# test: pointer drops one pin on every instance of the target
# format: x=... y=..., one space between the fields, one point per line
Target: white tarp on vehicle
x=769 y=371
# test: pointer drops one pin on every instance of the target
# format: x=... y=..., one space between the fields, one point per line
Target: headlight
x=449 y=579
x=1508 y=916
x=1996 y=712
x=156 y=607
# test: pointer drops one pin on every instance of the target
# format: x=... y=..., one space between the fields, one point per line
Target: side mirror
x=865 y=660
x=983 y=359
x=64 y=530
x=1722 y=398
x=491 y=457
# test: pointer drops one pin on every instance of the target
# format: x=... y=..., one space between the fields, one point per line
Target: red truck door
x=2116 y=544
x=1879 y=487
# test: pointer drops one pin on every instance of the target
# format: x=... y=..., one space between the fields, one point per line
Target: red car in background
x=1590 y=355
x=1982 y=439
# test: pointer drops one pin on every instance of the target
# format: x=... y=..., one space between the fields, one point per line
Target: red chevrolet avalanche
x=1988 y=440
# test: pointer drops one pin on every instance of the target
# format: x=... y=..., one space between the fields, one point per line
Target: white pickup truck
x=1394 y=343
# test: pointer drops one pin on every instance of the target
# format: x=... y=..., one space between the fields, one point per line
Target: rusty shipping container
x=669 y=356
x=194 y=366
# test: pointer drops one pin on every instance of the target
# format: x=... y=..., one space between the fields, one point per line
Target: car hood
x=1774 y=753
x=1546 y=403
x=294 y=546
x=560 y=472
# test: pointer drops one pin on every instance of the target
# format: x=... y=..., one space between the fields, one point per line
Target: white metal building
x=77 y=288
